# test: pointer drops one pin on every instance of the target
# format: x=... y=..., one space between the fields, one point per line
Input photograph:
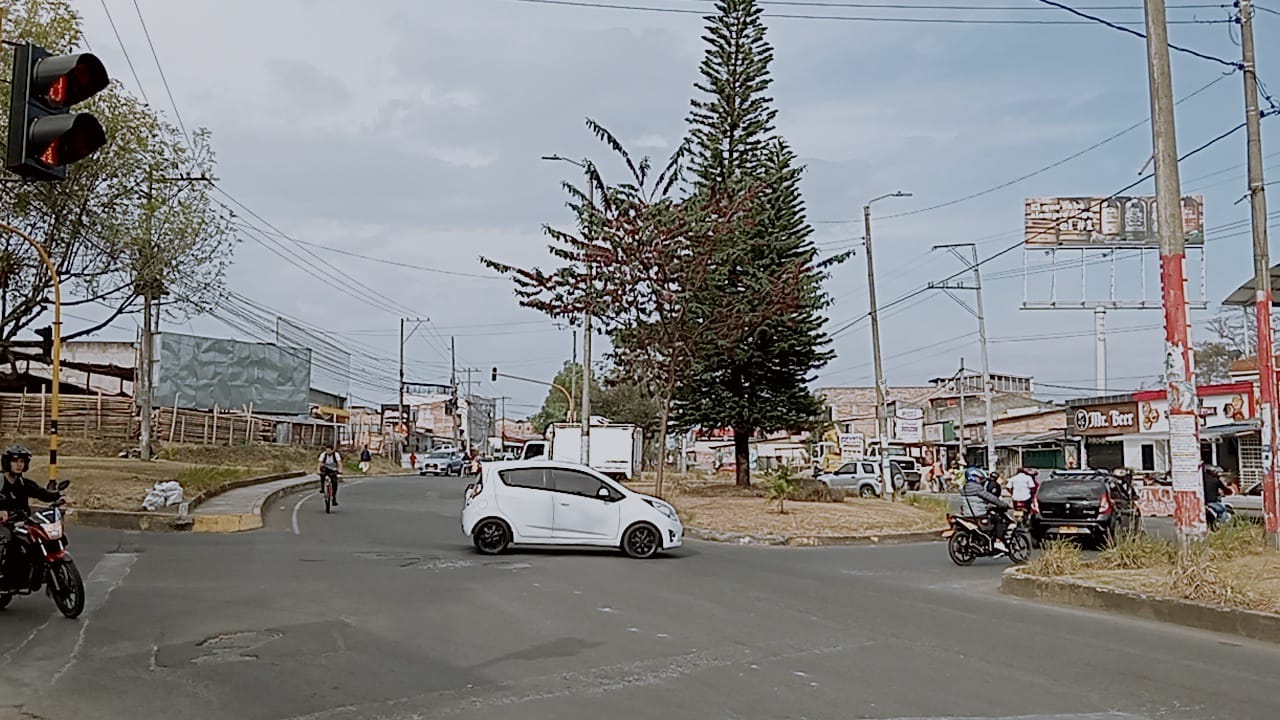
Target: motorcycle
x=1216 y=518
x=37 y=558
x=968 y=538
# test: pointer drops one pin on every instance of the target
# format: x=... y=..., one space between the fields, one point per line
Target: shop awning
x=1231 y=430
x=1025 y=440
x=1245 y=294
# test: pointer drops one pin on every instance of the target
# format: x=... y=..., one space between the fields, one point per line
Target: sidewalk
x=241 y=509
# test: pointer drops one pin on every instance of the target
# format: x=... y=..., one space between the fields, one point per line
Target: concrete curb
x=162 y=522
x=813 y=540
x=1077 y=593
x=255 y=518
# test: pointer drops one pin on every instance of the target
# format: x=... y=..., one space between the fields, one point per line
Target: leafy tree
x=757 y=382
x=555 y=408
x=120 y=224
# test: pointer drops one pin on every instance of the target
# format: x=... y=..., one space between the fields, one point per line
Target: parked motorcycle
x=1217 y=517
x=37 y=558
x=969 y=538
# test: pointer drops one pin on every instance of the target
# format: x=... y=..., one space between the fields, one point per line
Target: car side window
x=532 y=478
x=576 y=483
x=869 y=469
x=847 y=469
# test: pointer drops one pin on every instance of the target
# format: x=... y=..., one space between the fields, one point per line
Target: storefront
x=1132 y=431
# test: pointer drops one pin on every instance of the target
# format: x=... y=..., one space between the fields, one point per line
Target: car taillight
x=1104 y=505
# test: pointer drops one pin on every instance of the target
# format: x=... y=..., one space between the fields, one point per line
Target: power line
x=163 y=79
x=1034 y=173
x=396 y=263
x=125 y=50
x=950 y=6
x=1124 y=29
x=846 y=18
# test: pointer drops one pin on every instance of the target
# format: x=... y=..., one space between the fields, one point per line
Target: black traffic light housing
x=46 y=341
x=495 y=375
x=44 y=135
x=451 y=407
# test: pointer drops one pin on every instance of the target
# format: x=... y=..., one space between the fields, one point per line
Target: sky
x=412 y=132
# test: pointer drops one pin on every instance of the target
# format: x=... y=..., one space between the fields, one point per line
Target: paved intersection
x=383 y=611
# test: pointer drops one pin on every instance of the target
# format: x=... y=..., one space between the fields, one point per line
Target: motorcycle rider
x=1214 y=489
x=16 y=492
x=329 y=463
x=980 y=502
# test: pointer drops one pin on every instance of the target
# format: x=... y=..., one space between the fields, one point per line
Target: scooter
x=1217 y=517
x=37 y=558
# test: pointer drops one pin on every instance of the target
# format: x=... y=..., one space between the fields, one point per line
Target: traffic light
x=44 y=135
x=495 y=375
x=46 y=341
x=451 y=407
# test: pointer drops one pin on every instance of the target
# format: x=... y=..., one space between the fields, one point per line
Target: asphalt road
x=383 y=611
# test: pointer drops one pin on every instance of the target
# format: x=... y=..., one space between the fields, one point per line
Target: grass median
x=710 y=503
x=1233 y=567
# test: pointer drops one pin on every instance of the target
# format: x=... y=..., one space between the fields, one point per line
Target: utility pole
x=404 y=419
x=948 y=287
x=1262 y=280
x=1184 y=431
x=453 y=383
x=960 y=435
x=882 y=425
x=1100 y=350
x=468 y=426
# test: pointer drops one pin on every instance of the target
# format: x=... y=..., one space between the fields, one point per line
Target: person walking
x=413 y=461
x=366 y=458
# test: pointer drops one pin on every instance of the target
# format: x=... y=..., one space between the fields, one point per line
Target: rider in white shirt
x=330 y=462
x=1023 y=485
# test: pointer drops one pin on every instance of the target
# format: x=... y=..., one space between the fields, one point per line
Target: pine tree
x=757 y=383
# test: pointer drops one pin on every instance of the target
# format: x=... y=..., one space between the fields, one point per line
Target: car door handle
x=564 y=504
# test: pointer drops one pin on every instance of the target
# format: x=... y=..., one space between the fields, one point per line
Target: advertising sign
x=1105 y=222
x=852 y=445
x=1111 y=419
x=933 y=432
x=910 y=431
x=1222 y=405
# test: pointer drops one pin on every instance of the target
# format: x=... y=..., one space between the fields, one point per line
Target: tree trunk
x=742 y=455
x=663 y=416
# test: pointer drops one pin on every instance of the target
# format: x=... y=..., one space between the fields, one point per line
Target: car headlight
x=664 y=508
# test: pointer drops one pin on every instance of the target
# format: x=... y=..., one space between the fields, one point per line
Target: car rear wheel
x=491 y=537
x=867 y=491
x=641 y=541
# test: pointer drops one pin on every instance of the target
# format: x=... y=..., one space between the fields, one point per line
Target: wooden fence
x=83 y=416
x=238 y=427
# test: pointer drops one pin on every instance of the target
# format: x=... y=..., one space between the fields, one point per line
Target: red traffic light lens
x=58 y=91
x=65 y=80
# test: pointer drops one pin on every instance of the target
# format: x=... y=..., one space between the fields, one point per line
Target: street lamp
x=882 y=429
x=585 y=450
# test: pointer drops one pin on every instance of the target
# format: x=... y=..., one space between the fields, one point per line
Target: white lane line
x=307 y=496
x=108 y=575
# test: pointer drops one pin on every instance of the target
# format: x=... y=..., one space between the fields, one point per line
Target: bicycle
x=329 y=483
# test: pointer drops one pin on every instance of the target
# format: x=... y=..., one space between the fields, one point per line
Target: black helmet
x=11 y=452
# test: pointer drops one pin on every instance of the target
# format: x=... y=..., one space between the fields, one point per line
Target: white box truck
x=617 y=450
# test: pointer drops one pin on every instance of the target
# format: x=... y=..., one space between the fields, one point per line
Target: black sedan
x=1089 y=505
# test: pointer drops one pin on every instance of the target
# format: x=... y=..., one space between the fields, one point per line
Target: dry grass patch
x=751 y=516
x=99 y=483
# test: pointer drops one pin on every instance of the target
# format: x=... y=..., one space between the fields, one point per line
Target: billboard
x=1106 y=419
x=1105 y=222
x=200 y=373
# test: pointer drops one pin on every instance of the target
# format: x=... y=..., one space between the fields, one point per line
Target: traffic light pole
x=55 y=354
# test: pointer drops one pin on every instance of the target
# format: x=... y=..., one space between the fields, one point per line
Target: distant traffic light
x=495 y=375
x=44 y=135
x=46 y=341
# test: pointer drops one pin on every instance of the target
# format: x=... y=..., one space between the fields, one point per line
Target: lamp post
x=585 y=416
x=881 y=414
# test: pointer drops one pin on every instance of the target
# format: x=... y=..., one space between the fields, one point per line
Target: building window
x=1148 y=457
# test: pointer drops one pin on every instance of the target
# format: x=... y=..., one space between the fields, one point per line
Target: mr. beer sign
x=1114 y=419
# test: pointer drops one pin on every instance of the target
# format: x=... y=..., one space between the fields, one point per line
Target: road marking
x=307 y=496
x=110 y=572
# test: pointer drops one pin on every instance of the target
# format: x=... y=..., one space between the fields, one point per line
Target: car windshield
x=1067 y=488
x=441 y=454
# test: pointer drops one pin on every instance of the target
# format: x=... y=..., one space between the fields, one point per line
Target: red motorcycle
x=37 y=558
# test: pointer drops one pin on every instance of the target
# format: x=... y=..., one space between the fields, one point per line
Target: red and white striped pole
x=1179 y=360
x=1262 y=281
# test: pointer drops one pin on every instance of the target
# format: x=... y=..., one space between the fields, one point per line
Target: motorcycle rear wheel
x=67 y=588
x=961 y=549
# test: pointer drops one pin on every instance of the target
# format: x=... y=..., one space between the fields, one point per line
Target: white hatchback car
x=544 y=502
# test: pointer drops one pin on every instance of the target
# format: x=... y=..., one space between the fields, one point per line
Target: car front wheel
x=641 y=541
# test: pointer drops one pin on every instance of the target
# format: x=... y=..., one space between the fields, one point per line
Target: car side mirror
x=603 y=493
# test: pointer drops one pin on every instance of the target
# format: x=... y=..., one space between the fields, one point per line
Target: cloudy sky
x=411 y=131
